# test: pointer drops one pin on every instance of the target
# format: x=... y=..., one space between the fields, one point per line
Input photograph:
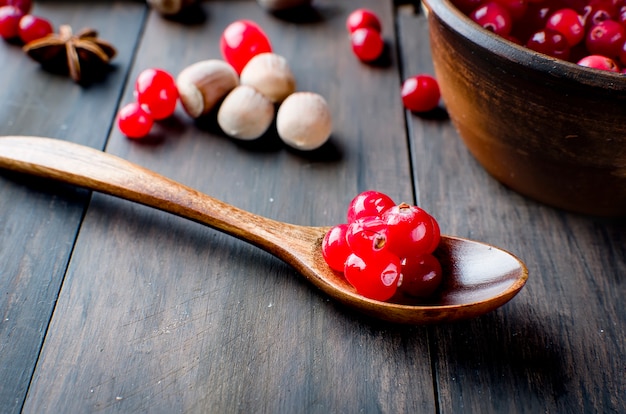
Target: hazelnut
x=169 y=7
x=203 y=84
x=269 y=74
x=245 y=113
x=276 y=5
x=304 y=121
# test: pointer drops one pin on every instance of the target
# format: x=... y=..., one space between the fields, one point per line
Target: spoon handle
x=96 y=170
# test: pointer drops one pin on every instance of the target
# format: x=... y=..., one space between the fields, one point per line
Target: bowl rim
x=456 y=21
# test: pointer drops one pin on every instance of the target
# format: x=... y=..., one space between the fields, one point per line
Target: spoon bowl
x=478 y=277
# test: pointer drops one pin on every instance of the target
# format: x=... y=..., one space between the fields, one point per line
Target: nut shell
x=304 y=121
x=203 y=84
x=269 y=74
x=245 y=113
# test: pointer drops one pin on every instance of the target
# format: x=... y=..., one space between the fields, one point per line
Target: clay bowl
x=549 y=129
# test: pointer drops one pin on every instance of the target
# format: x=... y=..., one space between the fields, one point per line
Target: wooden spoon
x=477 y=277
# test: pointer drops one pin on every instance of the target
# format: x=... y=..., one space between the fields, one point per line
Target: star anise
x=82 y=55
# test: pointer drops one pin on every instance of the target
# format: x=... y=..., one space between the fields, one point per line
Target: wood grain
x=39 y=221
x=153 y=313
x=159 y=315
x=559 y=346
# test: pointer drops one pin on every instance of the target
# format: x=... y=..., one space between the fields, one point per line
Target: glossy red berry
x=156 y=90
x=467 y=6
x=33 y=28
x=24 y=5
x=421 y=275
x=549 y=42
x=241 y=41
x=597 y=11
x=134 y=121
x=367 y=44
x=599 y=62
x=436 y=235
x=360 y=18
x=569 y=23
x=10 y=17
x=335 y=248
x=605 y=38
x=411 y=231
x=494 y=17
x=376 y=276
x=368 y=203
x=621 y=17
x=622 y=56
x=420 y=93
x=534 y=19
x=516 y=8
x=367 y=235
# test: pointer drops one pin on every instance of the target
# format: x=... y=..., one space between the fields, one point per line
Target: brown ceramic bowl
x=549 y=129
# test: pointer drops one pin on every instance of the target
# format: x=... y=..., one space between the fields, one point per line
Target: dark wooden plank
x=158 y=314
x=38 y=220
x=559 y=345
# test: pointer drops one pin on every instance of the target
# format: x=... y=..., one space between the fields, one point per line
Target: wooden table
x=108 y=306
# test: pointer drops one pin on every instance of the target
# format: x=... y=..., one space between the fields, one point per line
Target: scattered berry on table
x=10 y=17
x=134 y=121
x=361 y=18
x=24 y=5
x=420 y=93
x=367 y=44
x=156 y=90
x=241 y=41
x=33 y=28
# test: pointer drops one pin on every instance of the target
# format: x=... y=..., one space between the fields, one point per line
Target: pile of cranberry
x=591 y=33
x=385 y=247
x=420 y=93
x=16 y=22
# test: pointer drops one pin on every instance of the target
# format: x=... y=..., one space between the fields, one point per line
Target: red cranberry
x=241 y=41
x=605 y=38
x=367 y=44
x=421 y=275
x=420 y=93
x=33 y=28
x=534 y=19
x=621 y=16
x=549 y=42
x=593 y=16
x=599 y=62
x=23 y=5
x=494 y=17
x=467 y=6
x=363 y=18
x=516 y=8
x=569 y=23
x=9 y=21
x=622 y=55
